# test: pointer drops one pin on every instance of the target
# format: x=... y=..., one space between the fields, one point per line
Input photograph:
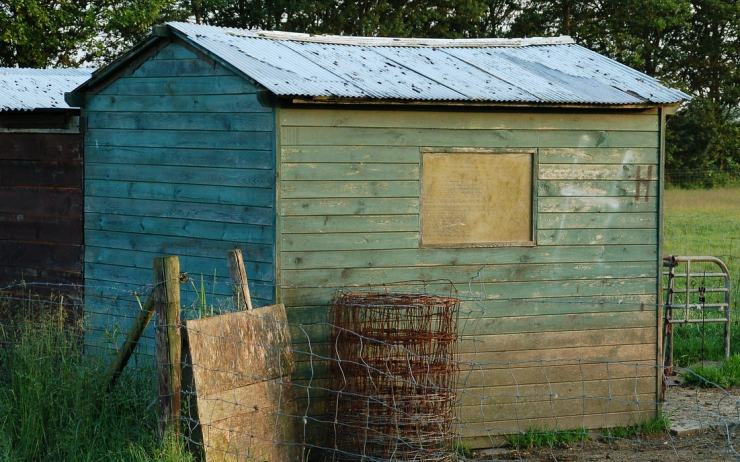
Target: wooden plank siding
x=179 y=160
x=584 y=295
x=41 y=210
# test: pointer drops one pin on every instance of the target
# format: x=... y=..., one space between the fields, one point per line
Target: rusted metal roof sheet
x=536 y=70
x=29 y=89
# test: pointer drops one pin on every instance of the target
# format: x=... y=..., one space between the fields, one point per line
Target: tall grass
x=54 y=407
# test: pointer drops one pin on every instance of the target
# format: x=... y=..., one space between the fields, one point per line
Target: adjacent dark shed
x=524 y=174
x=40 y=179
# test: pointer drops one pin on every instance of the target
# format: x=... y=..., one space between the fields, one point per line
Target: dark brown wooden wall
x=41 y=230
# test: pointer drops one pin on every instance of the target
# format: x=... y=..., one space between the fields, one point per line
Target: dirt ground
x=709 y=446
x=705 y=427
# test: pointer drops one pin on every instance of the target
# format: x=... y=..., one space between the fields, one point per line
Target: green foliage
x=726 y=375
x=40 y=33
x=54 y=407
x=537 y=438
x=462 y=449
x=703 y=145
x=655 y=426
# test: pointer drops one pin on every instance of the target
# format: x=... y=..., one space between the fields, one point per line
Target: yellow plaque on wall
x=476 y=198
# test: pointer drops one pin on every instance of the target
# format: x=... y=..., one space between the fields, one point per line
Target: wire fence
x=339 y=390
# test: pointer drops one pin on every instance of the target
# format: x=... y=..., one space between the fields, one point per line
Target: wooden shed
x=524 y=175
x=40 y=180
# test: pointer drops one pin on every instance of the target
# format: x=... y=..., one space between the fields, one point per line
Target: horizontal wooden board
x=59 y=147
x=350 y=154
x=471 y=311
x=464 y=274
x=214 y=265
x=179 y=139
x=324 y=189
x=179 y=68
x=349 y=241
x=622 y=156
x=603 y=220
x=350 y=206
x=319 y=136
x=181 y=210
x=177 y=103
x=483 y=431
x=185 y=157
x=171 y=245
x=115 y=273
x=356 y=258
x=597 y=172
x=175 y=50
x=596 y=236
x=492 y=291
x=534 y=374
x=181 y=192
x=349 y=171
x=204 y=175
x=596 y=204
x=220 y=122
x=41 y=175
x=63 y=229
x=46 y=202
x=607 y=188
x=348 y=223
x=42 y=256
x=180 y=85
x=234 y=232
x=508 y=333
x=468 y=120
x=315 y=367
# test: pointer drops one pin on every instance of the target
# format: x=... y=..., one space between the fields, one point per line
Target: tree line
x=692 y=45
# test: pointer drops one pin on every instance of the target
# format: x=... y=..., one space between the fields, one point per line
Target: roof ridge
x=388 y=41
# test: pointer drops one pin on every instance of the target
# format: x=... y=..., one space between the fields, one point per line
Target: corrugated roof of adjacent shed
x=30 y=89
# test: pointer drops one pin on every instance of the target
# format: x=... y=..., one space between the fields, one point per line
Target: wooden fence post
x=166 y=297
x=239 y=279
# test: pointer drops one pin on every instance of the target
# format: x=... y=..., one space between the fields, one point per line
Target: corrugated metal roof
x=29 y=89
x=536 y=70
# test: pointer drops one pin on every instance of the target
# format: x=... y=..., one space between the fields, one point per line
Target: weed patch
x=656 y=426
x=535 y=438
x=726 y=374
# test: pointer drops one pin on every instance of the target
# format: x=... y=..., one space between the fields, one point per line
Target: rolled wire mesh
x=393 y=376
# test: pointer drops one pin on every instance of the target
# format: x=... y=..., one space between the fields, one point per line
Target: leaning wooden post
x=147 y=311
x=166 y=297
x=239 y=279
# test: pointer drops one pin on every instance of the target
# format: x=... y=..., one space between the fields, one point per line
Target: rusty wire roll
x=393 y=376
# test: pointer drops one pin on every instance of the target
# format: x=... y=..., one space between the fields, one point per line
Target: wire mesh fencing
x=436 y=385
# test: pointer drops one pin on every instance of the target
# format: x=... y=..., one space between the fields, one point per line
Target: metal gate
x=695 y=296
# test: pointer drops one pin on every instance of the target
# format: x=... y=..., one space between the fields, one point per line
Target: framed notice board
x=477 y=198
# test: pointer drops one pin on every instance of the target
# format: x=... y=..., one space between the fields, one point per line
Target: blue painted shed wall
x=179 y=159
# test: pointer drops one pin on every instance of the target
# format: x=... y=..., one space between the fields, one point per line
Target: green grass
x=655 y=426
x=54 y=407
x=726 y=374
x=704 y=222
x=535 y=438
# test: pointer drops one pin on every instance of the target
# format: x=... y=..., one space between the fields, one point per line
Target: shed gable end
x=179 y=160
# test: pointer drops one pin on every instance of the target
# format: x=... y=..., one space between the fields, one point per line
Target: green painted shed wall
x=179 y=159
x=535 y=320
